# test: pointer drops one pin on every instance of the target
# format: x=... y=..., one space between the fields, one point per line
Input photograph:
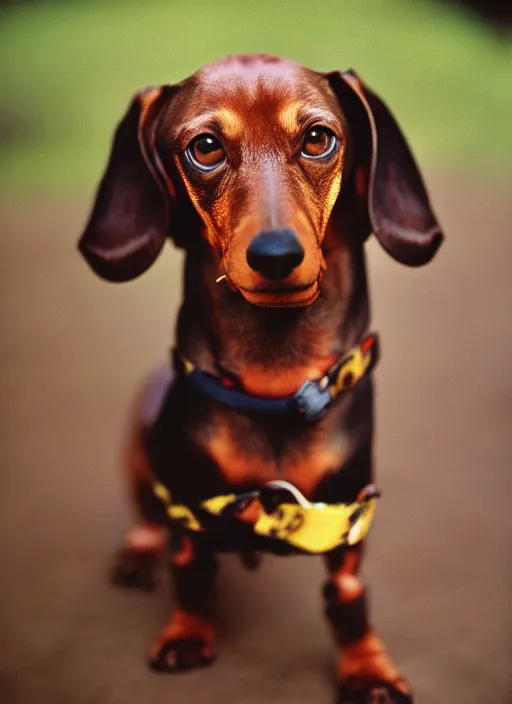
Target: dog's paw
x=186 y=642
x=362 y=691
x=180 y=654
x=136 y=569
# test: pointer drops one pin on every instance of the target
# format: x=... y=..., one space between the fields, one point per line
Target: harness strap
x=310 y=527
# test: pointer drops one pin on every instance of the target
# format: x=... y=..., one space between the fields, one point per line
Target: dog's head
x=262 y=148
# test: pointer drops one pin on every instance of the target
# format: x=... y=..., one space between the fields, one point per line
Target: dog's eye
x=206 y=152
x=319 y=142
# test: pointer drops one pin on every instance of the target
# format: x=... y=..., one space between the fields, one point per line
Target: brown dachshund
x=271 y=176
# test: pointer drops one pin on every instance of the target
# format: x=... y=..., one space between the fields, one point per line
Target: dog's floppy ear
x=386 y=177
x=130 y=218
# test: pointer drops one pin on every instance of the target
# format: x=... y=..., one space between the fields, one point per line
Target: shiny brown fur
x=262 y=186
x=269 y=336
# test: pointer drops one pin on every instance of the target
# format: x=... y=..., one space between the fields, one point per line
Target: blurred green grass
x=68 y=70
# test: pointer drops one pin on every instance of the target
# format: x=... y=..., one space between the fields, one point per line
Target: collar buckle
x=311 y=400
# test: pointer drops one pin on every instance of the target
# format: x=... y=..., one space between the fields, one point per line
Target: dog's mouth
x=282 y=297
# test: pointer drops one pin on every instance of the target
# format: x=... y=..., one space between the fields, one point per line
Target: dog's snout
x=275 y=253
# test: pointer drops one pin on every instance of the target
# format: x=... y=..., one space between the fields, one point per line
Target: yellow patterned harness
x=310 y=527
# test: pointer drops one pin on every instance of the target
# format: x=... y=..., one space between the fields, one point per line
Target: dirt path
x=439 y=564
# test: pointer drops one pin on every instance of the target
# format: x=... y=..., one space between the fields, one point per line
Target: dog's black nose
x=275 y=253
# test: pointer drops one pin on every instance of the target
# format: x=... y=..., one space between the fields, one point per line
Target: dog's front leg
x=187 y=640
x=366 y=674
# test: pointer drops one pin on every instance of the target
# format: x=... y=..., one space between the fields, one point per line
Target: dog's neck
x=273 y=351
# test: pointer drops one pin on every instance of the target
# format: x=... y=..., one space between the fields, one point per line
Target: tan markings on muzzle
x=332 y=195
x=204 y=214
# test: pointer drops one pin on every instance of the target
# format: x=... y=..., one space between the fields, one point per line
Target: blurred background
x=73 y=349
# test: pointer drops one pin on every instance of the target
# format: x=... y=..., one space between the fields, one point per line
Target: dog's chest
x=247 y=452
